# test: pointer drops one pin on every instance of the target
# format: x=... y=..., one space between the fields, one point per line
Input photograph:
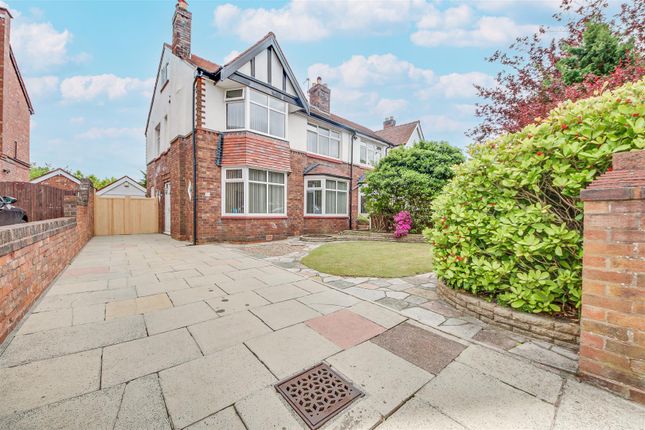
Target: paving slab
x=345 y=328
x=523 y=376
x=392 y=303
x=68 y=340
x=84 y=299
x=43 y=382
x=129 y=360
x=88 y=314
x=226 y=305
x=465 y=330
x=265 y=409
x=46 y=321
x=79 y=287
x=226 y=419
x=143 y=406
x=159 y=287
x=586 y=407
x=424 y=316
x=96 y=410
x=441 y=308
x=180 y=316
x=365 y=293
x=284 y=314
x=541 y=355
x=201 y=387
x=292 y=349
x=210 y=280
x=377 y=314
x=386 y=379
x=140 y=305
x=480 y=401
x=426 y=350
x=227 y=331
x=194 y=294
x=311 y=286
x=241 y=285
x=419 y=414
x=358 y=416
x=496 y=338
x=329 y=301
x=280 y=293
x=281 y=277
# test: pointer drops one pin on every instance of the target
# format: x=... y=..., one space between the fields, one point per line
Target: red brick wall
x=33 y=254
x=14 y=115
x=612 y=339
x=60 y=181
x=240 y=149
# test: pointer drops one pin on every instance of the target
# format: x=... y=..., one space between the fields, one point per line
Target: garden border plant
x=509 y=225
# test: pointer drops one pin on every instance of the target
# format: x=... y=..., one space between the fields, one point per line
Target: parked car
x=10 y=214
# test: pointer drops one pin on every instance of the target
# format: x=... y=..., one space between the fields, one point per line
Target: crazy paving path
x=144 y=332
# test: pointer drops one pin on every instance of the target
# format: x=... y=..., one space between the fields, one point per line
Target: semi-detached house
x=239 y=153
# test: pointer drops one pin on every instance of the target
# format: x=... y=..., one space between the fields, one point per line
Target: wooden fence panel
x=125 y=215
x=40 y=201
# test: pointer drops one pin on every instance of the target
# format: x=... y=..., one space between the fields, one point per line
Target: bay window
x=326 y=196
x=254 y=192
x=323 y=141
x=265 y=114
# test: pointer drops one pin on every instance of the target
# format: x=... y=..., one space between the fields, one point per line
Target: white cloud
x=389 y=106
x=488 y=31
x=461 y=85
x=231 y=55
x=304 y=21
x=84 y=88
x=433 y=124
x=360 y=71
x=111 y=133
x=40 y=45
x=41 y=86
x=450 y=18
x=77 y=120
x=506 y=5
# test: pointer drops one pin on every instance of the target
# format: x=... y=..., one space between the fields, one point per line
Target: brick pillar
x=612 y=338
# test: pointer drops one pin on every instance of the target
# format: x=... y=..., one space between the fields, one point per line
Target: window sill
x=326 y=216
x=325 y=157
x=246 y=217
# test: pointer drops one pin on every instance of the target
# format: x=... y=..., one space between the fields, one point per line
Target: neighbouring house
x=401 y=135
x=58 y=178
x=122 y=187
x=269 y=162
x=15 y=110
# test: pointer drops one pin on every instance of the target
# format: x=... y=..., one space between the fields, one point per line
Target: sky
x=89 y=66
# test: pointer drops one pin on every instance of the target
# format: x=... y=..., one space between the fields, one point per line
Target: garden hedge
x=508 y=226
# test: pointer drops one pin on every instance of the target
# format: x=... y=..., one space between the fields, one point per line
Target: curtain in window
x=259 y=118
x=276 y=199
x=276 y=123
x=257 y=198
x=234 y=198
x=235 y=115
x=314 y=202
x=312 y=141
x=363 y=154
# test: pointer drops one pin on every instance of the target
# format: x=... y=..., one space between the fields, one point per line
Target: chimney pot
x=319 y=96
x=389 y=122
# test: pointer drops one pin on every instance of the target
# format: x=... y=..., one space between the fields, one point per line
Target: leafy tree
x=144 y=179
x=407 y=179
x=599 y=53
x=35 y=170
x=531 y=83
x=509 y=225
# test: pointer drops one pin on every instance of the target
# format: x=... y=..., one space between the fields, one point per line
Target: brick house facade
x=15 y=110
x=59 y=178
x=269 y=161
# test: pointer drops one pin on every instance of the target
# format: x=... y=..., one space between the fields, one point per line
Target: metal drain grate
x=318 y=394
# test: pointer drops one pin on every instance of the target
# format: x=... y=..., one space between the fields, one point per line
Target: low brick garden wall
x=559 y=332
x=32 y=255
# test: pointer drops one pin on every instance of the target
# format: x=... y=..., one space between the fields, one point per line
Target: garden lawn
x=371 y=259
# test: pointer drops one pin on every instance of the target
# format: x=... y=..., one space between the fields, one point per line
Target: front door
x=166 y=208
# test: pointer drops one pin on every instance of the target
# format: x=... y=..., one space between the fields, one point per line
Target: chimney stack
x=319 y=95
x=389 y=122
x=181 y=29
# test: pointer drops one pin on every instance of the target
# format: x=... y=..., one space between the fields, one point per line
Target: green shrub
x=407 y=179
x=509 y=224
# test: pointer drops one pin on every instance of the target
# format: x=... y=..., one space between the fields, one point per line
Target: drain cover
x=318 y=394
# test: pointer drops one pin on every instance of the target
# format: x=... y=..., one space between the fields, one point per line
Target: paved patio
x=146 y=332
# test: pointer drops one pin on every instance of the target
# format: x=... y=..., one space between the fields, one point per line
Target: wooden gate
x=125 y=215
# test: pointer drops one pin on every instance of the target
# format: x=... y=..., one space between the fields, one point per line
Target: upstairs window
x=326 y=196
x=323 y=141
x=266 y=114
x=235 y=109
x=163 y=74
x=371 y=153
x=158 y=139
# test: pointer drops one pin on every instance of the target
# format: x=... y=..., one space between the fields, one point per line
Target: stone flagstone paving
x=144 y=332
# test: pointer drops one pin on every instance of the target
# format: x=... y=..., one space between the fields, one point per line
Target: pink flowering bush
x=402 y=224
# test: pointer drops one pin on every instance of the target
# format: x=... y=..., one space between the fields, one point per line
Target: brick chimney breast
x=319 y=95
x=181 y=29
x=389 y=122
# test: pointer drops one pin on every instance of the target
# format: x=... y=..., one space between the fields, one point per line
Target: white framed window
x=362 y=207
x=163 y=74
x=158 y=139
x=235 y=108
x=326 y=196
x=371 y=153
x=249 y=191
x=323 y=141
